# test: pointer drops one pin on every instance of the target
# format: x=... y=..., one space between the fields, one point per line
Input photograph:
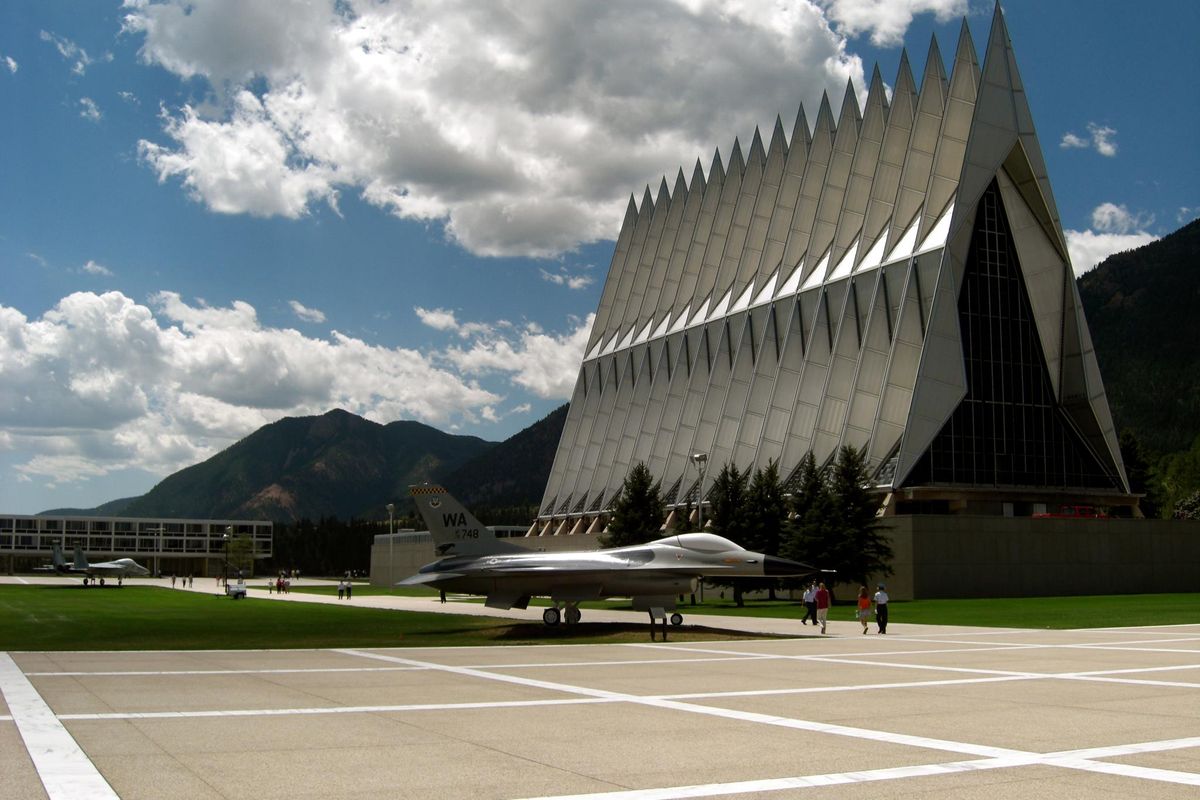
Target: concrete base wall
x=965 y=556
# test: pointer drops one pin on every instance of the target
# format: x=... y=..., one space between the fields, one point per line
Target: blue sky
x=217 y=213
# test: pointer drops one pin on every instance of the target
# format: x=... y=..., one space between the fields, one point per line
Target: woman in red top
x=864 y=607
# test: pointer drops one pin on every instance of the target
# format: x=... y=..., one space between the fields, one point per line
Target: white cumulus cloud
x=1114 y=229
x=440 y=319
x=243 y=165
x=519 y=126
x=11 y=63
x=102 y=383
x=543 y=363
x=1112 y=218
x=887 y=20
x=443 y=319
x=305 y=313
x=1101 y=138
x=1071 y=140
x=89 y=110
x=92 y=268
x=78 y=57
x=563 y=278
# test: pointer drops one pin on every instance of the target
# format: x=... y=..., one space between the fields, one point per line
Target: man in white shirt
x=810 y=604
x=881 y=607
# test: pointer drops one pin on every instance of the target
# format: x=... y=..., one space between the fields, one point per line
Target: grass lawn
x=1021 y=612
x=151 y=618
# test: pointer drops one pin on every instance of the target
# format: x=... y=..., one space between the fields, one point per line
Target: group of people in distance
x=817 y=601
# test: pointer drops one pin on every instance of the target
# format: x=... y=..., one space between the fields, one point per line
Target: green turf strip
x=152 y=618
x=1020 y=612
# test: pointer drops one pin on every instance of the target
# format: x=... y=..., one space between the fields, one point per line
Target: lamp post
x=701 y=462
x=391 y=507
x=225 y=572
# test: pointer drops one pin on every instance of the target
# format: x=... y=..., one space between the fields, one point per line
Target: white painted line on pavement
x=1114 y=751
x=517 y=665
x=798 y=782
x=302 y=711
x=64 y=769
x=714 y=711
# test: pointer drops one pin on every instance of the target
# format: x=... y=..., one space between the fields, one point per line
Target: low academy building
x=164 y=546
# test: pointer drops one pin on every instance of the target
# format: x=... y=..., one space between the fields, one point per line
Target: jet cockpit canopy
x=704 y=542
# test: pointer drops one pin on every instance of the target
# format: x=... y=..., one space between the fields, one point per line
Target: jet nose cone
x=773 y=566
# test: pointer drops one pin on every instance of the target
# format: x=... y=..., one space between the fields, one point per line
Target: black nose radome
x=775 y=566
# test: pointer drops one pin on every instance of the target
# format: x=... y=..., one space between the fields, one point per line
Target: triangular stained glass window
x=1009 y=429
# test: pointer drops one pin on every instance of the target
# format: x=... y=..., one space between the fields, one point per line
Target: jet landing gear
x=677 y=619
x=571 y=614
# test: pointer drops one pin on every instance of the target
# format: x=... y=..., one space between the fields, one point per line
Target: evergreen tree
x=766 y=516
x=683 y=519
x=1136 y=469
x=803 y=540
x=637 y=510
x=1188 y=507
x=1179 y=476
x=728 y=501
x=860 y=548
x=766 y=511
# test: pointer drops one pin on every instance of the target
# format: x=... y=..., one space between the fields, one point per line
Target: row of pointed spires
x=788 y=215
x=850 y=112
x=920 y=113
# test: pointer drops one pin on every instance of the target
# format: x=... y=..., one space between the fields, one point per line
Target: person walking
x=822 y=598
x=341 y=589
x=810 y=604
x=864 y=607
x=349 y=588
x=881 y=607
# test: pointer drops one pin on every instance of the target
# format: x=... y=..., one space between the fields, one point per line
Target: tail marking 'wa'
x=455 y=530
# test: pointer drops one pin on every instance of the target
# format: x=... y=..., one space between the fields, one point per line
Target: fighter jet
x=473 y=561
x=120 y=569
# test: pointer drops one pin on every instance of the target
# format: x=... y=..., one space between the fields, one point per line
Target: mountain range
x=1140 y=307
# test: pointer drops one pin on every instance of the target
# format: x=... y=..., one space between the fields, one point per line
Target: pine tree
x=766 y=515
x=860 y=548
x=727 y=501
x=637 y=510
x=802 y=540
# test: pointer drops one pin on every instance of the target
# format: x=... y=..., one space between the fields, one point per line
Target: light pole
x=391 y=507
x=701 y=462
x=225 y=572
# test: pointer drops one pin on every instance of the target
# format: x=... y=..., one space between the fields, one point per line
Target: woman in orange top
x=864 y=607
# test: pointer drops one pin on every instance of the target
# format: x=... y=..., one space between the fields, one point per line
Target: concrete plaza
x=923 y=712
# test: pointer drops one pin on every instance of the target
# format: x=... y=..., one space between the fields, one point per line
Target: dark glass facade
x=1009 y=429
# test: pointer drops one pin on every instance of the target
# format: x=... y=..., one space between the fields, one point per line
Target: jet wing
x=422 y=578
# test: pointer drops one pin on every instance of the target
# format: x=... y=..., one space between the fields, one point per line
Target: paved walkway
x=256 y=588
x=474 y=607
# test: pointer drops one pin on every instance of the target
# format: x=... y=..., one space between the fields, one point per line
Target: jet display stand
x=657 y=613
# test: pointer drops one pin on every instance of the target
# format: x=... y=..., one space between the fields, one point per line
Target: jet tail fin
x=56 y=557
x=455 y=530
x=80 y=561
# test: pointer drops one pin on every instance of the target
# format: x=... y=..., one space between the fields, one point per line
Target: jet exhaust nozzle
x=776 y=567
